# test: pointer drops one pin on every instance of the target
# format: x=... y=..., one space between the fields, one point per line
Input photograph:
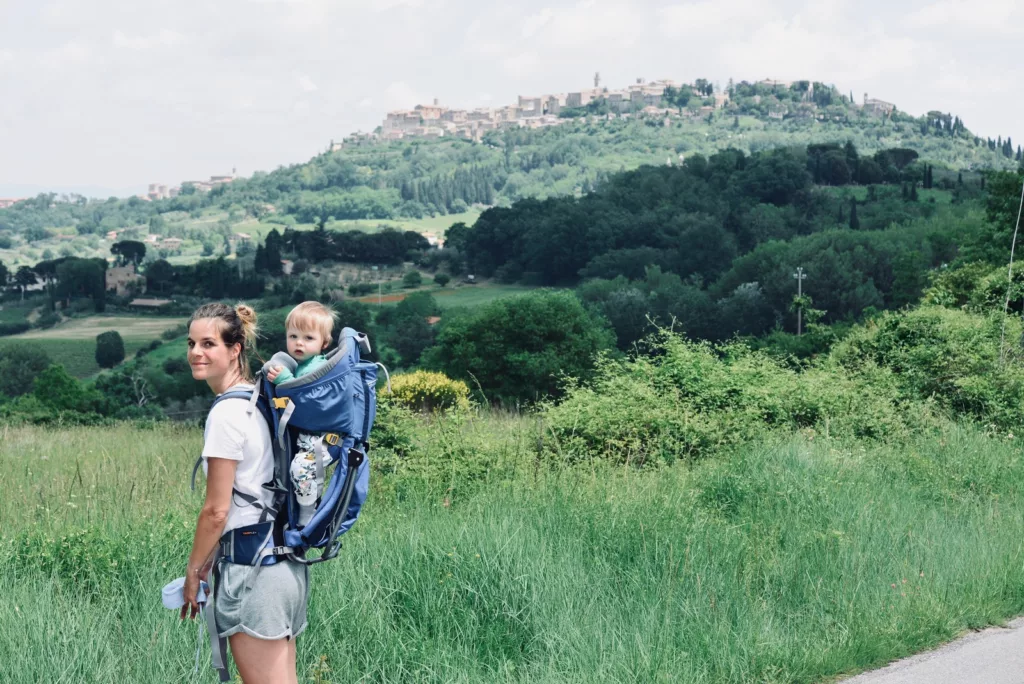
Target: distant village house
x=123 y=280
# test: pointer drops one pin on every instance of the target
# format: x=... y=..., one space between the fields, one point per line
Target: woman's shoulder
x=230 y=408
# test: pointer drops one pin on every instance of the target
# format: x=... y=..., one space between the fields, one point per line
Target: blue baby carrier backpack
x=336 y=403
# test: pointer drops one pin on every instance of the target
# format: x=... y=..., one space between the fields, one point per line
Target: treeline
x=699 y=217
x=711 y=247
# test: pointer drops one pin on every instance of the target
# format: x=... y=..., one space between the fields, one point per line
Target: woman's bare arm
x=220 y=479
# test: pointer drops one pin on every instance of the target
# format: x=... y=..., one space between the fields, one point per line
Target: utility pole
x=799 y=275
x=378 y=287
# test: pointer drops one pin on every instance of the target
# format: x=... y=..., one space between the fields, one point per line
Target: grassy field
x=15 y=312
x=792 y=560
x=73 y=343
x=429 y=224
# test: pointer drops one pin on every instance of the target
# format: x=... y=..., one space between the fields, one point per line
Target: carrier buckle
x=280 y=402
x=332 y=438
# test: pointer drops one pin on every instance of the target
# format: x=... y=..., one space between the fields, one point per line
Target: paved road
x=993 y=656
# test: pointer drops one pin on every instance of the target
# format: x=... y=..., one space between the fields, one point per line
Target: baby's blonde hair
x=312 y=316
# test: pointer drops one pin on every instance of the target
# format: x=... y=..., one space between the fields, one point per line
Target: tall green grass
x=479 y=559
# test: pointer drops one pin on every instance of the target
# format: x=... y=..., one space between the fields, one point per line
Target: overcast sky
x=106 y=96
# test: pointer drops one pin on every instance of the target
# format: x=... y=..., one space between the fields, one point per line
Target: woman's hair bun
x=246 y=313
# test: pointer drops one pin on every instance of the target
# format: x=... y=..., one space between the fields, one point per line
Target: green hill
x=417 y=184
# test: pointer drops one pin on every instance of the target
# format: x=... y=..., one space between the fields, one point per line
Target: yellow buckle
x=280 y=402
x=331 y=438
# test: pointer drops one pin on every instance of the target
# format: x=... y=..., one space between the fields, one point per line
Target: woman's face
x=210 y=359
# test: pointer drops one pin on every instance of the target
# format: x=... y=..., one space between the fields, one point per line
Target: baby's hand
x=274 y=372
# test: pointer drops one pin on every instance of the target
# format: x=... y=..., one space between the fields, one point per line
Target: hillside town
x=642 y=99
x=157 y=191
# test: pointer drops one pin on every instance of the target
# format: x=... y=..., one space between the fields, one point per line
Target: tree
x=518 y=349
x=412 y=279
x=159 y=274
x=83 y=277
x=854 y=221
x=442 y=279
x=24 y=277
x=129 y=252
x=127 y=393
x=5 y=275
x=273 y=246
x=19 y=365
x=56 y=389
x=109 y=349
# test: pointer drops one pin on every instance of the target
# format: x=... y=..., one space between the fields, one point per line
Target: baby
x=308 y=327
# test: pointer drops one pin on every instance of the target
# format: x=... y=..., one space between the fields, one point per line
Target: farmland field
x=479 y=559
x=72 y=343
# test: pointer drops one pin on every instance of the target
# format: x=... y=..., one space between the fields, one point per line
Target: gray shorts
x=266 y=602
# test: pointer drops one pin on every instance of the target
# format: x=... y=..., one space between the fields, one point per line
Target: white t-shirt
x=233 y=433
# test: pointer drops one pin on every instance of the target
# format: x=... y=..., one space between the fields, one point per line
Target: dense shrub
x=20 y=363
x=176 y=331
x=948 y=356
x=109 y=349
x=427 y=392
x=48 y=320
x=686 y=400
x=14 y=328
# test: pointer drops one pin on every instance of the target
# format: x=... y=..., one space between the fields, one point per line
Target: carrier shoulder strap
x=256 y=401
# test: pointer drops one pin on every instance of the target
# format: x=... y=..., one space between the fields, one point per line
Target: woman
x=259 y=609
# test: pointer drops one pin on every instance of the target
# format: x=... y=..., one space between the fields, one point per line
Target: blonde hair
x=237 y=326
x=312 y=316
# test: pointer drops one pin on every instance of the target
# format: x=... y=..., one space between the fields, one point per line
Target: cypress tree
x=854 y=221
x=913 y=192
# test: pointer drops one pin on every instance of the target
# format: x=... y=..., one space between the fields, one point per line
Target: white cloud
x=985 y=15
x=165 y=38
x=536 y=21
x=71 y=52
x=780 y=48
x=400 y=95
x=366 y=103
x=306 y=83
x=385 y=5
x=712 y=17
x=6 y=57
x=589 y=24
x=522 y=64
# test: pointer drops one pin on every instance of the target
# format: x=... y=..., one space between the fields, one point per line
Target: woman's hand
x=190 y=591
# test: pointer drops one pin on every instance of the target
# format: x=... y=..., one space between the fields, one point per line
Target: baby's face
x=303 y=344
